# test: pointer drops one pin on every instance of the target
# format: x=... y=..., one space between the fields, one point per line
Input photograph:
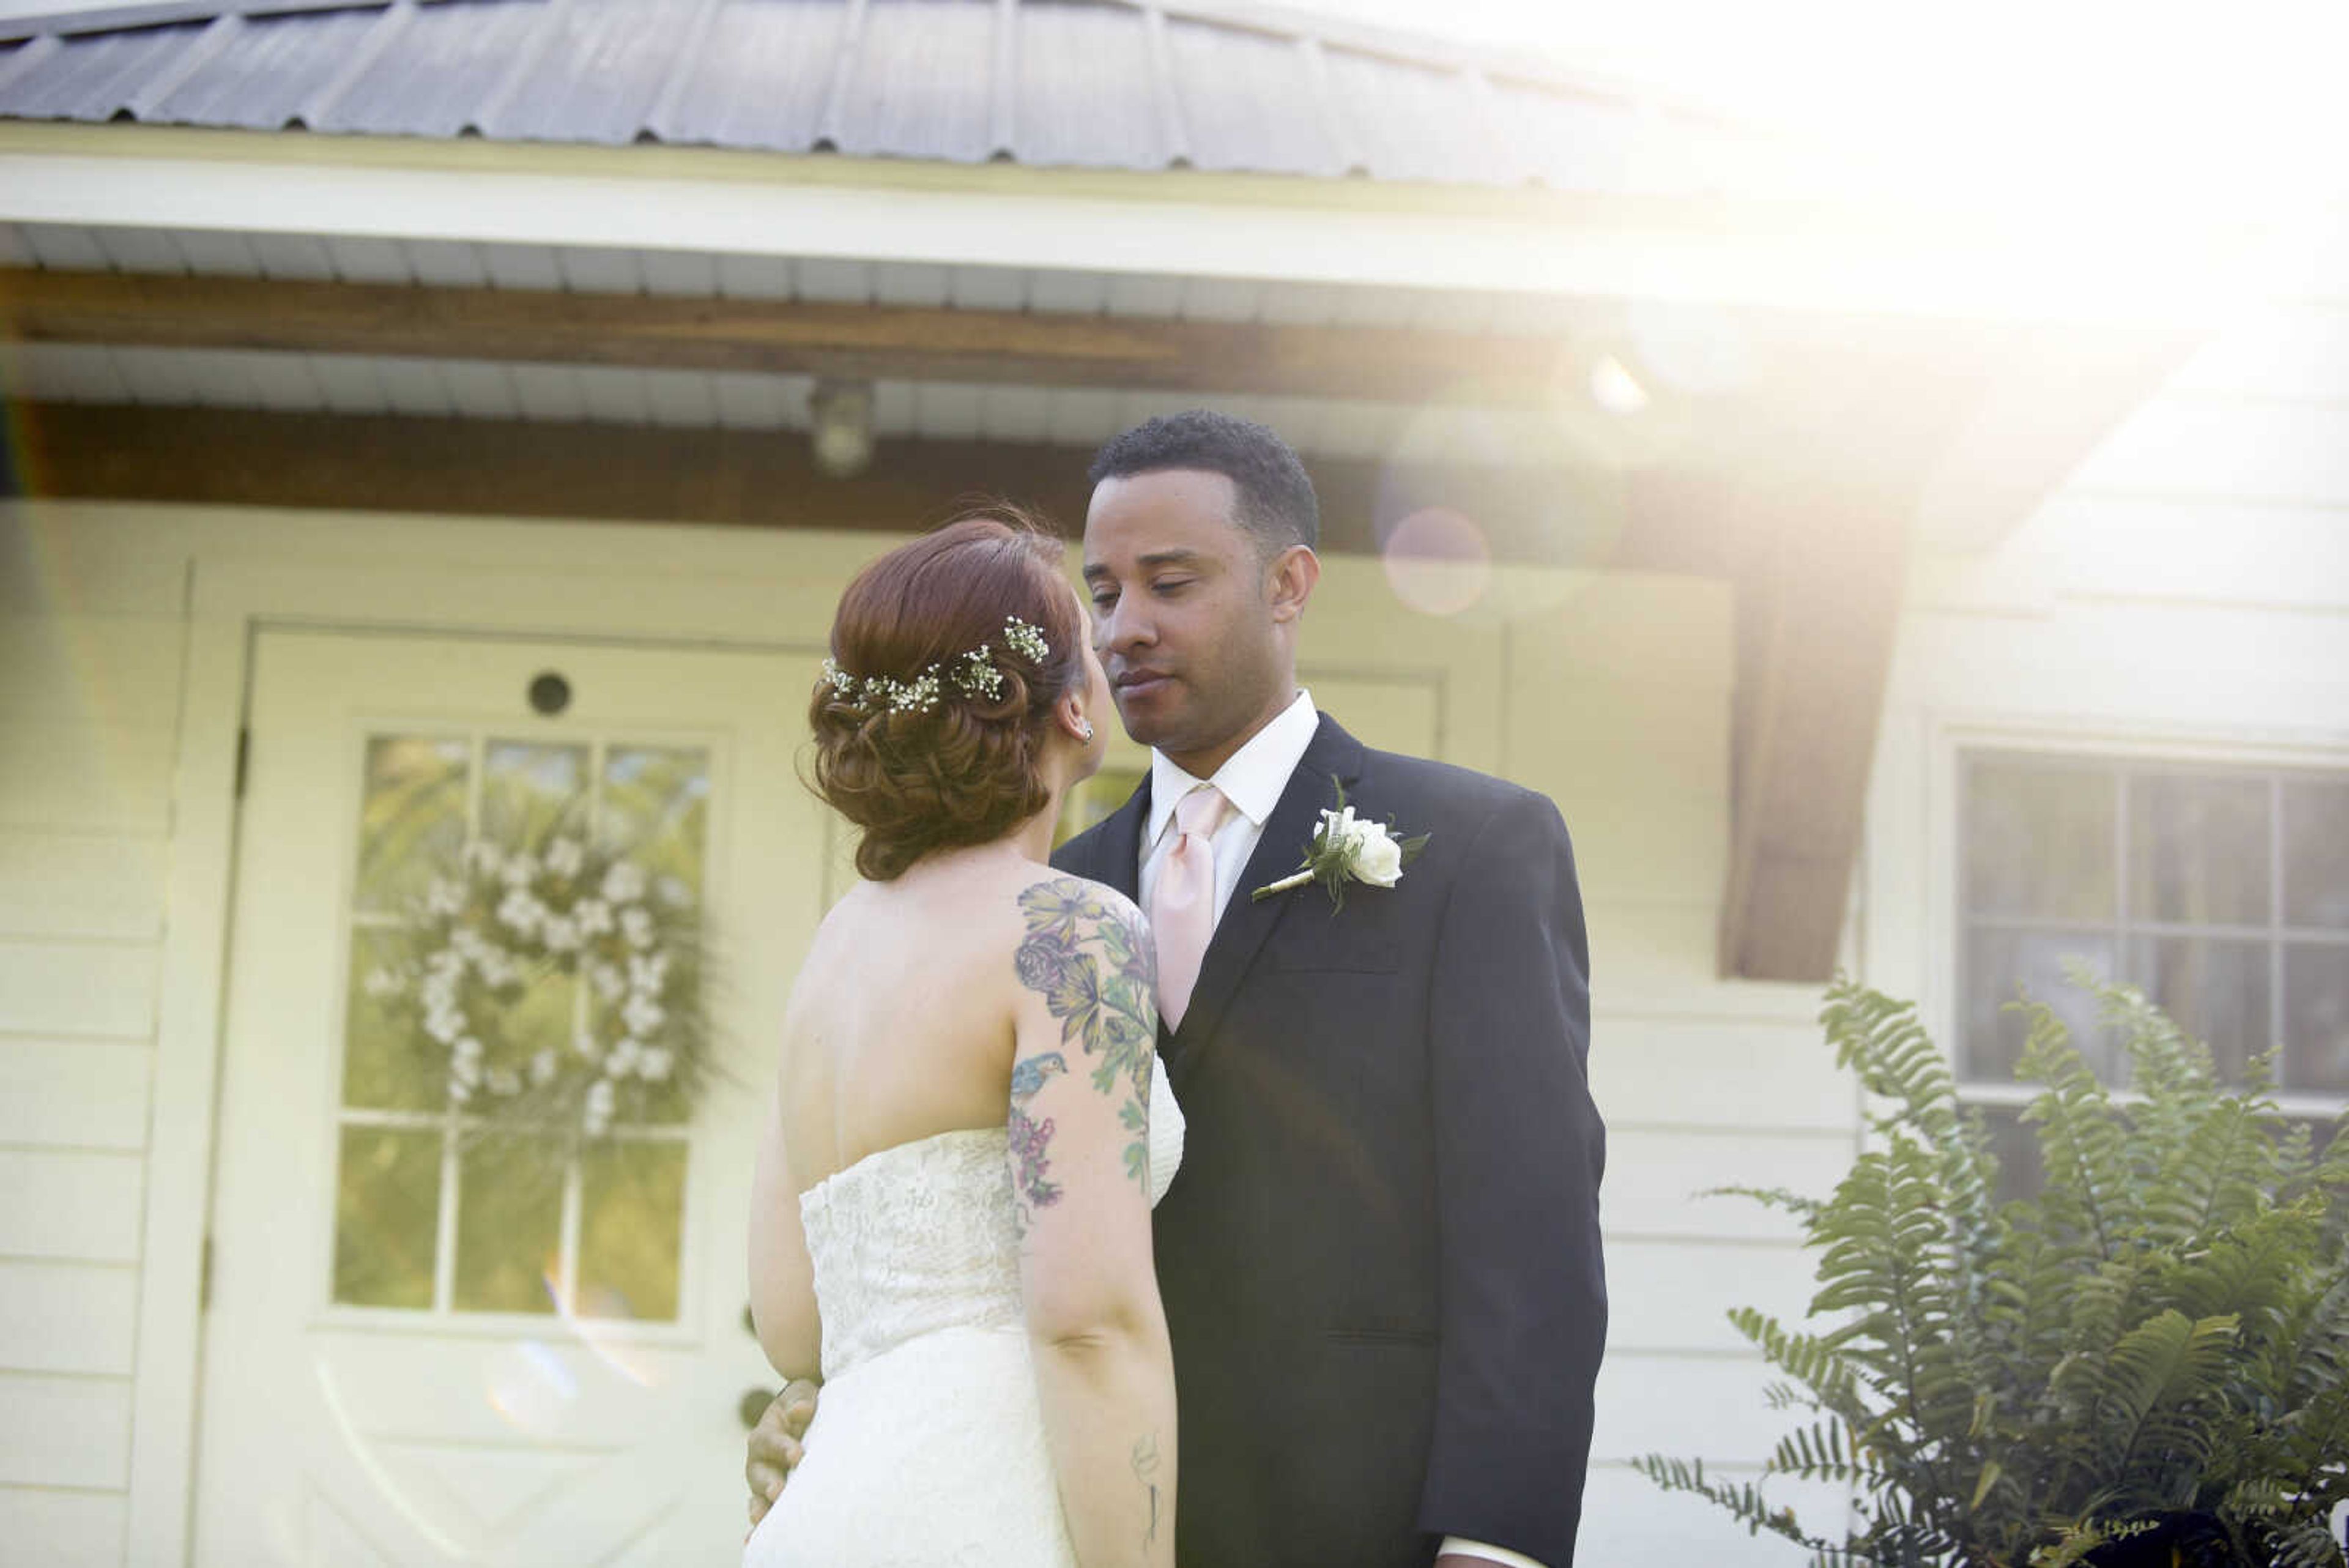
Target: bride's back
x=900 y=1025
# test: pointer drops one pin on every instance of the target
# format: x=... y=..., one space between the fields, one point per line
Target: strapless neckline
x=879 y=1155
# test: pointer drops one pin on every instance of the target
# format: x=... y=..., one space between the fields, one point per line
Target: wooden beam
x=862 y=341
x=1662 y=520
x=1823 y=513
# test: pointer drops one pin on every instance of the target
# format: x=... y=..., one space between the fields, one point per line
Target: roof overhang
x=1850 y=259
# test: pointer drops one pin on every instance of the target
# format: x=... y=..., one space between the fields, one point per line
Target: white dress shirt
x=1252 y=779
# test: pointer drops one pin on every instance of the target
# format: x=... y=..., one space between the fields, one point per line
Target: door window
x=439 y=1209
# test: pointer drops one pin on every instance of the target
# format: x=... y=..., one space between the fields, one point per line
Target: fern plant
x=2146 y=1363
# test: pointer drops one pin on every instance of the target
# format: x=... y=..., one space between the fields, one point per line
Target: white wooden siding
x=65 y=1432
x=63 y=1529
x=90 y=640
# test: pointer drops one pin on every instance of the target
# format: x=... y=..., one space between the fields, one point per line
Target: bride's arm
x=783 y=1279
x=1087 y=1031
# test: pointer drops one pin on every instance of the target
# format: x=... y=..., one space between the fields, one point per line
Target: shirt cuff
x=1500 y=1554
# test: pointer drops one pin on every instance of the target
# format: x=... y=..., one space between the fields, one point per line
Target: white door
x=428 y=1345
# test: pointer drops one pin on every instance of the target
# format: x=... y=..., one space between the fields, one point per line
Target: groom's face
x=1181 y=614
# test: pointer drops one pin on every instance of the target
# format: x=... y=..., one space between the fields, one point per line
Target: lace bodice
x=923 y=1235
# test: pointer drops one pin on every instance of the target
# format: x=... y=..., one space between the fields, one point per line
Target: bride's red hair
x=969 y=769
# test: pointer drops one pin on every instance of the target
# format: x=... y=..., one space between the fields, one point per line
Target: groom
x=1380 y=1260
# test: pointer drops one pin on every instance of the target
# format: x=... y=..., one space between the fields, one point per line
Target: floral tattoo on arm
x=1090 y=960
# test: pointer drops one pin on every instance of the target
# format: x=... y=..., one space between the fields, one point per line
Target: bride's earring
x=1087 y=732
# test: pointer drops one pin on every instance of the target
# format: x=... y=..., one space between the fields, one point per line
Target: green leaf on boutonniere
x=1348 y=848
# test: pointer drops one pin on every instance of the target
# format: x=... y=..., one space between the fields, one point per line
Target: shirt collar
x=1251 y=778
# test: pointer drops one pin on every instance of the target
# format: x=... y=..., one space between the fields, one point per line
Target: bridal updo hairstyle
x=969 y=768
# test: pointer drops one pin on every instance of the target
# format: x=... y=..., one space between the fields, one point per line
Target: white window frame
x=1946 y=740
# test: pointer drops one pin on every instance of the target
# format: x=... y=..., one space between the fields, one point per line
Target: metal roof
x=1106 y=84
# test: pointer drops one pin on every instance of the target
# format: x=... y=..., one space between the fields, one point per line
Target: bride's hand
x=775 y=1446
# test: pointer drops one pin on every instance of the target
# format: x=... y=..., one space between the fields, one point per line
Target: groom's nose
x=1122 y=628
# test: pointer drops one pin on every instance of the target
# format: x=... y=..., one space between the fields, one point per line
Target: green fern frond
x=1744 y=1501
x=2160 y=1334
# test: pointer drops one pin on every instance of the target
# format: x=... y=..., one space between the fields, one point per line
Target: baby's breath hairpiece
x=974 y=674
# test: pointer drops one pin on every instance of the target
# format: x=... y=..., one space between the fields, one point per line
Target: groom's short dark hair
x=1275 y=501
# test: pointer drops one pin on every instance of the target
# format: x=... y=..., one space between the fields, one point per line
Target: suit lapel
x=1118 y=861
x=1245 y=922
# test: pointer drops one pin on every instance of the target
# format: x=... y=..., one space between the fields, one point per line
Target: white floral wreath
x=497 y=920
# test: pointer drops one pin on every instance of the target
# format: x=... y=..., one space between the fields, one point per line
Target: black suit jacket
x=1380 y=1260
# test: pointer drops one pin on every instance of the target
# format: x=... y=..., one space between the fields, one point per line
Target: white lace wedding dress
x=928 y=1448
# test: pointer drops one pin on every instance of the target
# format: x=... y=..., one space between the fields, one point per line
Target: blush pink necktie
x=1183 y=903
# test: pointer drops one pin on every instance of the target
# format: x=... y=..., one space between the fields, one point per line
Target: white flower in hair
x=1025 y=640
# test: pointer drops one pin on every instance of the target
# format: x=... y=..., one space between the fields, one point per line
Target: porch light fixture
x=840 y=427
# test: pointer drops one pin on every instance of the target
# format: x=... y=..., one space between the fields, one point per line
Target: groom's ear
x=1289 y=580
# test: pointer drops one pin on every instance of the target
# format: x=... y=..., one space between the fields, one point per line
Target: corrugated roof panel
x=1101 y=83
x=1576 y=144
x=596 y=70
x=1082 y=89
x=759 y=77
x=95 y=75
x=921 y=82
x=1249 y=102
x=1411 y=122
x=262 y=80
x=434 y=78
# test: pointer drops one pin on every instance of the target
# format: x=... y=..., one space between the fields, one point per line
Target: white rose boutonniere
x=1350 y=848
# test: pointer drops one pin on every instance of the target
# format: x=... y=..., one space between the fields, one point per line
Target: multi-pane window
x=433 y=1212
x=2221 y=892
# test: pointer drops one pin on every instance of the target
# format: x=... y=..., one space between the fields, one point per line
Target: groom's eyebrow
x=1098 y=570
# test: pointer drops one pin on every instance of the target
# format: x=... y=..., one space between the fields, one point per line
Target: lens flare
x=1437 y=561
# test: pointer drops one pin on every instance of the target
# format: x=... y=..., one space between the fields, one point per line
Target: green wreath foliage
x=2148 y=1362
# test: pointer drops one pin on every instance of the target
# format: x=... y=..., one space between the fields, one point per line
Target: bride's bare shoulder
x=1050 y=898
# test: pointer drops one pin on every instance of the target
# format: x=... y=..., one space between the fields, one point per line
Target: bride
x=951 y=1216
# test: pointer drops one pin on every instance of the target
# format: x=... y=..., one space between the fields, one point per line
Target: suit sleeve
x=1519 y=1149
